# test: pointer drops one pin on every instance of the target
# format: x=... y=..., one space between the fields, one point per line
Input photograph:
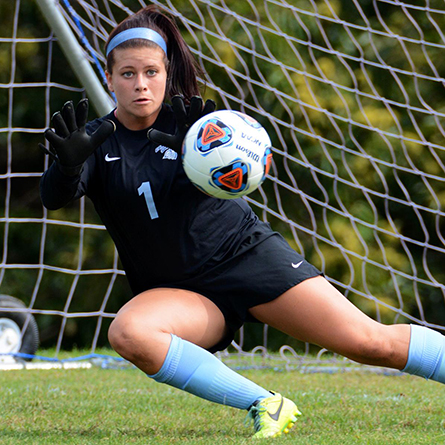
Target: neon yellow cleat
x=273 y=416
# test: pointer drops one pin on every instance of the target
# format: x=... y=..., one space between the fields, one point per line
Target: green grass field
x=100 y=406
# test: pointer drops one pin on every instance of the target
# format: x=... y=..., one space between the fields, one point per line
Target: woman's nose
x=140 y=84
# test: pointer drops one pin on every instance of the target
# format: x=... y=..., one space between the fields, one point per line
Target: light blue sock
x=197 y=371
x=426 y=356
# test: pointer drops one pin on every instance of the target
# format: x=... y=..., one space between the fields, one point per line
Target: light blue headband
x=137 y=33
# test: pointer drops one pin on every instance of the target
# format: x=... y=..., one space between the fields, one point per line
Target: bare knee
x=138 y=341
x=122 y=335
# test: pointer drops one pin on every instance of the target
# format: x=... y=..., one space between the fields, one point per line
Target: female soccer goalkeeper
x=199 y=267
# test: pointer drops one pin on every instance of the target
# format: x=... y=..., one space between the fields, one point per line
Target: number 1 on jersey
x=145 y=189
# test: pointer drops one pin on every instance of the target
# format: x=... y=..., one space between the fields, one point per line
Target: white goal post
x=352 y=97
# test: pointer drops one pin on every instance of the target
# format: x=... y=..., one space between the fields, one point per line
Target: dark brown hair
x=182 y=69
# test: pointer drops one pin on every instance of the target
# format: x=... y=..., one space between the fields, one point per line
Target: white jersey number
x=145 y=189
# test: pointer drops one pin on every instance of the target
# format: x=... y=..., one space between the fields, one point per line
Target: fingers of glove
x=82 y=113
x=105 y=129
x=59 y=125
x=54 y=139
x=209 y=107
x=195 y=110
x=69 y=116
x=158 y=137
x=178 y=106
x=48 y=152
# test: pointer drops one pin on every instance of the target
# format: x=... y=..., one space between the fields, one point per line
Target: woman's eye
x=127 y=74
x=151 y=72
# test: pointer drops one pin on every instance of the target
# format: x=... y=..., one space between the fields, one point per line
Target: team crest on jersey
x=213 y=134
x=168 y=152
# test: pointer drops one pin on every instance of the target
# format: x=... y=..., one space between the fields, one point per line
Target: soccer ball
x=226 y=154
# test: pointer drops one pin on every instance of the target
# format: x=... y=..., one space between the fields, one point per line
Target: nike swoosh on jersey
x=296 y=266
x=276 y=415
x=109 y=158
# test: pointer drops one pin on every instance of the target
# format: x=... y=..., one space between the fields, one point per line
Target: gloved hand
x=185 y=118
x=71 y=145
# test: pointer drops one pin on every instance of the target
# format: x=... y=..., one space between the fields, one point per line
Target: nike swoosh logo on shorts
x=108 y=158
x=276 y=415
x=296 y=266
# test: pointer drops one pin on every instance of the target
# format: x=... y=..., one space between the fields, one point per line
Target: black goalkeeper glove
x=185 y=118
x=70 y=144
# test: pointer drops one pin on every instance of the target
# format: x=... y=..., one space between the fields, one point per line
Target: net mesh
x=350 y=94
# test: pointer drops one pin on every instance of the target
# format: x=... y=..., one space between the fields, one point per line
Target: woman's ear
x=109 y=81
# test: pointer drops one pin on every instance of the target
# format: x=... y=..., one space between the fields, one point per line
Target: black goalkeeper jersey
x=164 y=228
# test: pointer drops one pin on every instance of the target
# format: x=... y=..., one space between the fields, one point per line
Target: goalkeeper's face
x=139 y=81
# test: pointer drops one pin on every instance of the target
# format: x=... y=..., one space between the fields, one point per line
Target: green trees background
x=353 y=101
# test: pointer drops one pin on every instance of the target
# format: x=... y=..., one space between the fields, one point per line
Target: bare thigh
x=315 y=312
x=141 y=330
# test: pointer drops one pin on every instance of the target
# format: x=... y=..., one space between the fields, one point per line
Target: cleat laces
x=254 y=415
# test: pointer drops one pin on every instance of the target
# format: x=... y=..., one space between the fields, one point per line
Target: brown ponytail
x=181 y=66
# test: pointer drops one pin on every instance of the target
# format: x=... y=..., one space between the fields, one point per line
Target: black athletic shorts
x=263 y=267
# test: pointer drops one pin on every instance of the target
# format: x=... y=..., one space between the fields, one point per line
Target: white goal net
x=352 y=95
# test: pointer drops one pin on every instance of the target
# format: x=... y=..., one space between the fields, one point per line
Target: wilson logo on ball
x=213 y=134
